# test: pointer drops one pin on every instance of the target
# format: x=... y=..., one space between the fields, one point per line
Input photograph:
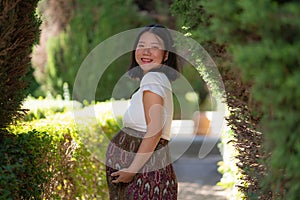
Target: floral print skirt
x=155 y=181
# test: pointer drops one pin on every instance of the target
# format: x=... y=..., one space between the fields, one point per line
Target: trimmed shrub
x=23 y=165
x=51 y=158
x=18 y=32
x=261 y=40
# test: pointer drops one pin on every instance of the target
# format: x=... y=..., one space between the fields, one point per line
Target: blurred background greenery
x=71 y=29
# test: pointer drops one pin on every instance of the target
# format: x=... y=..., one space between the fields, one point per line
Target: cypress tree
x=19 y=28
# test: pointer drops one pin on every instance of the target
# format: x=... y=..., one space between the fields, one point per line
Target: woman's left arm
x=153 y=109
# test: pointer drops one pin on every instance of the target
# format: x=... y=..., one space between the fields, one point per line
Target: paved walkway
x=195 y=191
x=198 y=178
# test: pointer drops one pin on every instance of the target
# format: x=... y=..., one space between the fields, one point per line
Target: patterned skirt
x=155 y=181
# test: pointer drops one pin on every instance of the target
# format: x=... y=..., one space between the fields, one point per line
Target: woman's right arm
x=153 y=109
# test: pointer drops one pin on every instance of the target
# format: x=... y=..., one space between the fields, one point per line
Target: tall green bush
x=19 y=28
x=261 y=40
x=90 y=23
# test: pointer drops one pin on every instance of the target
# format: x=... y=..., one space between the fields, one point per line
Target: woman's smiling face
x=150 y=52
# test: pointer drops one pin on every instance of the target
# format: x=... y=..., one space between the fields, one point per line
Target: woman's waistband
x=137 y=133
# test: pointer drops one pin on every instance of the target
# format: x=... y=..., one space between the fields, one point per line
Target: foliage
x=50 y=159
x=41 y=108
x=91 y=22
x=231 y=175
x=261 y=85
x=17 y=19
x=198 y=85
x=22 y=170
x=33 y=85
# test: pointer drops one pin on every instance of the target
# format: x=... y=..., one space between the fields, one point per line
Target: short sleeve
x=155 y=82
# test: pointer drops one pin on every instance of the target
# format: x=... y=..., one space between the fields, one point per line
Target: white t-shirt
x=134 y=117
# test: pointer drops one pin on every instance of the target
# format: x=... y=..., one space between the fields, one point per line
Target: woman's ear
x=166 y=56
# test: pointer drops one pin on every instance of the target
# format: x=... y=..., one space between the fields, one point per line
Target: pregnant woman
x=138 y=164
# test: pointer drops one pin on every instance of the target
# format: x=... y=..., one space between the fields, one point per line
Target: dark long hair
x=135 y=70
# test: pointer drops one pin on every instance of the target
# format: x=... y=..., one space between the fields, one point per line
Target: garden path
x=198 y=178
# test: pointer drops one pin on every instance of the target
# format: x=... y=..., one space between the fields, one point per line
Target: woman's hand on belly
x=123 y=176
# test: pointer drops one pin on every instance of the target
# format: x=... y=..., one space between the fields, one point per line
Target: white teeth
x=146 y=60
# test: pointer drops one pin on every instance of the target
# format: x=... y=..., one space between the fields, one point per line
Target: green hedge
x=49 y=159
x=19 y=31
x=22 y=170
x=260 y=41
